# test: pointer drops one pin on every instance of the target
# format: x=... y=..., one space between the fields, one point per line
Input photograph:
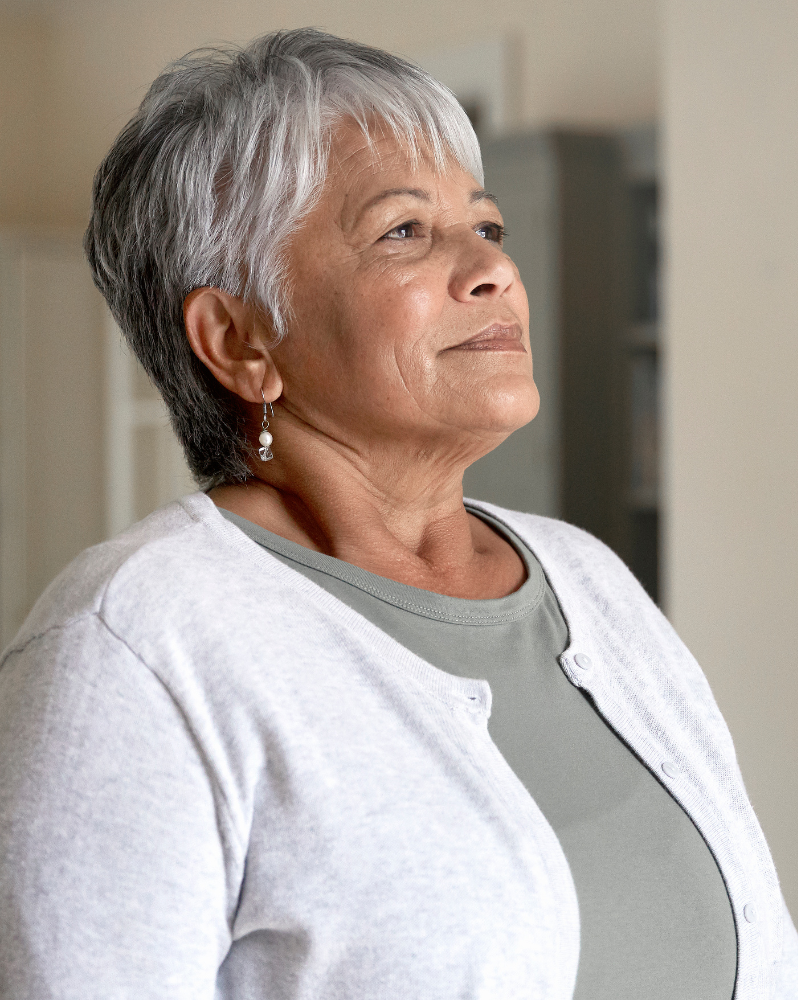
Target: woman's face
x=410 y=325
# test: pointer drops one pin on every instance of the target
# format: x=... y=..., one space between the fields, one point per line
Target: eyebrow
x=483 y=195
x=479 y=195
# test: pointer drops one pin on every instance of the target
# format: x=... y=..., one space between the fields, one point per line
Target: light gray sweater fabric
x=219 y=781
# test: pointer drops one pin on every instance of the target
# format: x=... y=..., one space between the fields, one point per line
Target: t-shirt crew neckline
x=426 y=603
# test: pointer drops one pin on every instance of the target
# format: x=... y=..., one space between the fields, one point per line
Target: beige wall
x=26 y=50
x=64 y=418
x=591 y=62
x=730 y=113
x=51 y=414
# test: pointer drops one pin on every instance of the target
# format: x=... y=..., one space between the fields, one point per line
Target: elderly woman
x=325 y=730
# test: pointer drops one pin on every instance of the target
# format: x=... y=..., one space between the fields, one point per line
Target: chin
x=510 y=408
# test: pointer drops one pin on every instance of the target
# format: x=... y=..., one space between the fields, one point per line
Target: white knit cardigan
x=218 y=781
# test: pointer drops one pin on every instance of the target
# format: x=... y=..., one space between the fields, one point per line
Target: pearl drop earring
x=265 y=438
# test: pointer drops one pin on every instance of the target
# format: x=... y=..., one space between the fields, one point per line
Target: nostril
x=482 y=289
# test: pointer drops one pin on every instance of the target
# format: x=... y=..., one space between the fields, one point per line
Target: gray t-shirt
x=656 y=921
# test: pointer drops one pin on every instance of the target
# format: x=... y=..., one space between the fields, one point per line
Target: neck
x=399 y=518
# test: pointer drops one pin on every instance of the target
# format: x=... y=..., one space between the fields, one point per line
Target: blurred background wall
x=729 y=114
x=72 y=71
x=578 y=104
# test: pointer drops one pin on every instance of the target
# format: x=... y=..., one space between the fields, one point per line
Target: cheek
x=357 y=338
x=520 y=302
x=389 y=325
x=516 y=296
x=313 y=357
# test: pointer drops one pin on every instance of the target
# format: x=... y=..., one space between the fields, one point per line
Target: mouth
x=496 y=337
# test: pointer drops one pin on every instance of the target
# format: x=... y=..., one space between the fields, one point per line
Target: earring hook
x=265 y=438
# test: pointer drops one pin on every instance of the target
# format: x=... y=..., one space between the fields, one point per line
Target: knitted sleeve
x=112 y=876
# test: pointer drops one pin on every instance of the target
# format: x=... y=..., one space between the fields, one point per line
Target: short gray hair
x=203 y=187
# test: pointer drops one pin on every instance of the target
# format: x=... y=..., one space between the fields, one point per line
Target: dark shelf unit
x=641 y=365
x=609 y=349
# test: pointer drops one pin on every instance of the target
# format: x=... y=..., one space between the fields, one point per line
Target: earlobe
x=223 y=333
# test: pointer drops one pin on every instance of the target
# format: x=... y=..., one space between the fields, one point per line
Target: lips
x=496 y=337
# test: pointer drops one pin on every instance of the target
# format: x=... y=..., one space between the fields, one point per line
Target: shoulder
x=167 y=564
x=538 y=525
x=573 y=549
x=600 y=597
x=195 y=601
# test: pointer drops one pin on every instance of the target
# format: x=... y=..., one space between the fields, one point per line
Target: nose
x=482 y=270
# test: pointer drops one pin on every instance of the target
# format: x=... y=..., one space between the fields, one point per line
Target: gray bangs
x=204 y=186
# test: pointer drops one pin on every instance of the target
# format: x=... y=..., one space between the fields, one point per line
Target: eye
x=492 y=231
x=403 y=232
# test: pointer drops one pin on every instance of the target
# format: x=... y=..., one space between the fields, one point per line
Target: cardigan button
x=749 y=913
x=671 y=769
x=583 y=661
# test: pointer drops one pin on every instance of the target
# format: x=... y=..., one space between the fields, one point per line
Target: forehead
x=361 y=164
x=352 y=148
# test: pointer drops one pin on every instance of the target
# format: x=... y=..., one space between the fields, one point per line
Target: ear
x=227 y=337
